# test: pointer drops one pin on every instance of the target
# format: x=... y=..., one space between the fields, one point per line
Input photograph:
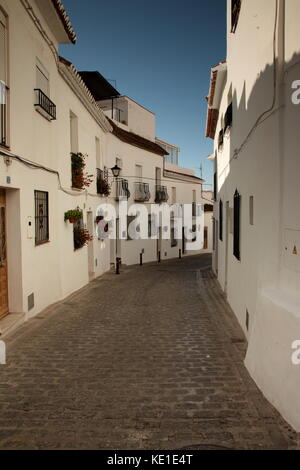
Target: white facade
x=47 y=113
x=258 y=159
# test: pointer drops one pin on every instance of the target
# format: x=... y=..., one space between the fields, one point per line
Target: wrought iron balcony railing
x=142 y=192
x=3 y=114
x=45 y=104
x=122 y=189
x=161 y=194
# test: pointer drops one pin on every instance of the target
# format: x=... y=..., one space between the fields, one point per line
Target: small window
x=237 y=225
x=174 y=195
x=98 y=153
x=41 y=217
x=73 y=132
x=251 y=210
x=235 y=13
x=42 y=79
x=215 y=186
x=221 y=220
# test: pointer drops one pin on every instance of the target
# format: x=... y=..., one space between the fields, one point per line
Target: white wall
x=265 y=282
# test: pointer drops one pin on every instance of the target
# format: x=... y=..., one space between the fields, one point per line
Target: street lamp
x=116 y=171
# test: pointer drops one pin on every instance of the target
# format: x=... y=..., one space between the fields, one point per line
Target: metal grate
x=41 y=217
x=45 y=103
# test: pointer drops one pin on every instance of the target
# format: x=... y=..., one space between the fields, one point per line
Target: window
x=236 y=225
x=215 y=186
x=221 y=220
x=42 y=79
x=235 y=13
x=41 y=217
x=98 y=153
x=139 y=173
x=251 y=210
x=3 y=80
x=174 y=195
x=73 y=132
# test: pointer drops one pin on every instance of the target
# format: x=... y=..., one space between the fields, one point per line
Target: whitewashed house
x=46 y=113
x=147 y=177
x=254 y=123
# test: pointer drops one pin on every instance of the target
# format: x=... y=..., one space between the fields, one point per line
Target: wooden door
x=3 y=260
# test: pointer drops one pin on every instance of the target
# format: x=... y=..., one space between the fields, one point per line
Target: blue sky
x=160 y=53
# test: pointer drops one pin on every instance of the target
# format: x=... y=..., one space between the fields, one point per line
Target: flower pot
x=72 y=221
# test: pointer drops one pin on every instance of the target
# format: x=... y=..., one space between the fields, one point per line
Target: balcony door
x=3 y=258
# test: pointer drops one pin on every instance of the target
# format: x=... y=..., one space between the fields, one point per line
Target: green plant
x=81 y=237
x=73 y=215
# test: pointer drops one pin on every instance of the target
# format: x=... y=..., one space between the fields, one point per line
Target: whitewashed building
x=46 y=113
x=146 y=176
x=254 y=123
x=56 y=149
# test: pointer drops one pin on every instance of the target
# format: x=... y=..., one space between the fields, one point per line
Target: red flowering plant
x=81 y=237
x=80 y=178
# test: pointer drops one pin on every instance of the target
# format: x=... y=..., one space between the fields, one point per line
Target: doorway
x=3 y=257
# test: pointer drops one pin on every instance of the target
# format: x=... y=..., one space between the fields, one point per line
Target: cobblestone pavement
x=151 y=359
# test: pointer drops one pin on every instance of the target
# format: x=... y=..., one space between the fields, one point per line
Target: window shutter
x=236 y=225
x=2 y=50
x=42 y=81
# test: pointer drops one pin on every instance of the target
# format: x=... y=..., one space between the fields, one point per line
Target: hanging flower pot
x=73 y=216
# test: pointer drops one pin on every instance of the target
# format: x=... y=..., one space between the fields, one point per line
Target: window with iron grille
x=237 y=225
x=235 y=13
x=221 y=220
x=41 y=200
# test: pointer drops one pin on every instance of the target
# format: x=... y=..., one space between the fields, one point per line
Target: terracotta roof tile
x=137 y=140
x=60 y=9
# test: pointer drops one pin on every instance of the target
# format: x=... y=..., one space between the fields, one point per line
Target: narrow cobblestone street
x=151 y=359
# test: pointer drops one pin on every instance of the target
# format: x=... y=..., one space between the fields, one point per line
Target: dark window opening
x=228 y=117
x=41 y=217
x=221 y=221
x=235 y=13
x=236 y=225
x=215 y=186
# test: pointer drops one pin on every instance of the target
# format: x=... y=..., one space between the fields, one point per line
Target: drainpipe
x=281 y=124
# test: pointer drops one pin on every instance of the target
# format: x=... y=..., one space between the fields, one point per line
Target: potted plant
x=81 y=237
x=73 y=216
x=103 y=187
x=80 y=179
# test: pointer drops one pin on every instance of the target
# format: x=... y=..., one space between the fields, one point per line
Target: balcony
x=161 y=194
x=44 y=105
x=3 y=114
x=142 y=192
x=103 y=187
x=122 y=189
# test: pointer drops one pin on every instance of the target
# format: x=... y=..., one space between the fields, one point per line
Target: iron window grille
x=235 y=13
x=161 y=194
x=236 y=225
x=41 y=200
x=3 y=114
x=122 y=188
x=221 y=220
x=43 y=102
x=142 y=192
